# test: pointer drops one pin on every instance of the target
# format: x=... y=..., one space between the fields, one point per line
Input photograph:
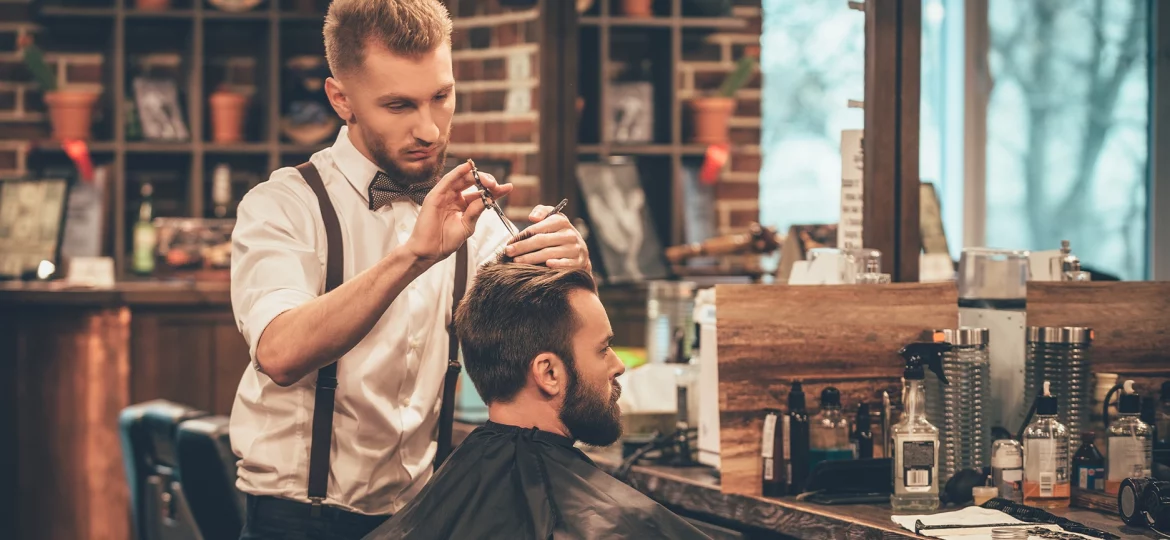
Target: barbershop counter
x=694 y=493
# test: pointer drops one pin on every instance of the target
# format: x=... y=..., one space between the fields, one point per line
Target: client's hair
x=512 y=313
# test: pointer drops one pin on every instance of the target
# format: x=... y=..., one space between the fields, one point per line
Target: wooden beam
x=892 y=73
x=558 y=104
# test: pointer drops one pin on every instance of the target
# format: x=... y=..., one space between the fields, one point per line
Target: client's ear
x=549 y=374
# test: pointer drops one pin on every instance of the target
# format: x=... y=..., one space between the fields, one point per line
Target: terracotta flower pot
x=712 y=117
x=71 y=113
x=227 y=116
x=153 y=5
x=638 y=8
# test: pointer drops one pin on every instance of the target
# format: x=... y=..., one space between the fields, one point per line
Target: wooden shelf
x=162 y=14
x=244 y=15
x=159 y=147
x=664 y=22
x=69 y=11
x=258 y=148
x=293 y=148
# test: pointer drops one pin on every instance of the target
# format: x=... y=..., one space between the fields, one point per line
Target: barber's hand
x=555 y=242
x=448 y=215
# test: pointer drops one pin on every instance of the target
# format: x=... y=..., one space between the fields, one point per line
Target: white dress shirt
x=389 y=385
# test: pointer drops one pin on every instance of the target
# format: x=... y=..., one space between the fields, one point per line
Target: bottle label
x=1091 y=478
x=768 y=449
x=915 y=464
x=1045 y=470
x=1128 y=457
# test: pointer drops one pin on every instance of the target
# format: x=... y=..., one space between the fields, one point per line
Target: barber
x=385 y=325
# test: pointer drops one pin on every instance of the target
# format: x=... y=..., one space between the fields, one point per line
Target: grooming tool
x=490 y=202
x=560 y=206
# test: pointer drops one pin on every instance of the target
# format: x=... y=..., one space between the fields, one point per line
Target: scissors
x=490 y=202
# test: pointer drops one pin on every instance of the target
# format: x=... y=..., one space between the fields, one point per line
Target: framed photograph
x=631 y=112
x=158 y=109
x=32 y=216
x=620 y=221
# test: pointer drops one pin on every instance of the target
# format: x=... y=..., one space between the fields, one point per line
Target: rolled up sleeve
x=275 y=264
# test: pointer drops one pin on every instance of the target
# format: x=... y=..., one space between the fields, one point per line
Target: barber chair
x=207 y=468
x=159 y=506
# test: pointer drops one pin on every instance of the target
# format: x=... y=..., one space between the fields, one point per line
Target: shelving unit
x=200 y=34
x=609 y=40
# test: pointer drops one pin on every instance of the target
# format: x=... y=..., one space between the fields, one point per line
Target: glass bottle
x=1046 y=471
x=1007 y=469
x=1089 y=465
x=1130 y=446
x=145 y=237
x=915 y=441
x=796 y=439
x=829 y=431
x=862 y=436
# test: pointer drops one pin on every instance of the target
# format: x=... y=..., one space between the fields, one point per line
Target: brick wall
x=22 y=111
x=496 y=63
x=704 y=66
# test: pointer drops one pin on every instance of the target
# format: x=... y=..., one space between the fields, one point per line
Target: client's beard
x=589 y=417
x=429 y=173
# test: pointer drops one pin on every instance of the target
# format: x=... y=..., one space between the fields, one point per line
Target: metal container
x=1060 y=355
x=959 y=408
x=669 y=316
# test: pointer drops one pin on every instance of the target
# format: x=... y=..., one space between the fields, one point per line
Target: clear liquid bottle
x=1007 y=469
x=1046 y=470
x=829 y=431
x=1130 y=442
x=915 y=440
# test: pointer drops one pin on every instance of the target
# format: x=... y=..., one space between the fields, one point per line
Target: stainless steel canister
x=958 y=409
x=1061 y=356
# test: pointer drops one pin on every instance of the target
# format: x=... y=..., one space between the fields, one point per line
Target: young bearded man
x=342 y=278
x=536 y=345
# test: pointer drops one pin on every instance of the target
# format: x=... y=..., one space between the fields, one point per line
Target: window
x=1067 y=121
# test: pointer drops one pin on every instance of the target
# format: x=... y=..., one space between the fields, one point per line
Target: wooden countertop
x=696 y=490
x=185 y=293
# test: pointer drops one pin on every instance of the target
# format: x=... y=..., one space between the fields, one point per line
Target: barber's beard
x=589 y=416
x=428 y=173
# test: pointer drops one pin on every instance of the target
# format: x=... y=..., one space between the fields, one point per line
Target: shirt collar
x=356 y=168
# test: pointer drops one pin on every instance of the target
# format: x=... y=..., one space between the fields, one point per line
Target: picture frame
x=630 y=112
x=620 y=221
x=32 y=224
x=159 y=112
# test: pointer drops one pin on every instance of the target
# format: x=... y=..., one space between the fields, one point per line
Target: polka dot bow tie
x=384 y=191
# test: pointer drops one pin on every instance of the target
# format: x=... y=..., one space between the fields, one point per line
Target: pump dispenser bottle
x=1130 y=443
x=915 y=441
x=1046 y=470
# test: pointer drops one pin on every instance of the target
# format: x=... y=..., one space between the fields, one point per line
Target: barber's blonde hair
x=404 y=27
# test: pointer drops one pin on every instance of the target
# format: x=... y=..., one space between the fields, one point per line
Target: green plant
x=736 y=79
x=34 y=58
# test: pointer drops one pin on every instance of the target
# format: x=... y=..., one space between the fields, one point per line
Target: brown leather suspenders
x=327 y=376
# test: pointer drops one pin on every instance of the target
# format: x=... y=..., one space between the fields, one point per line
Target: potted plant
x=227 y=115
x=70 y=109
x=711 y=115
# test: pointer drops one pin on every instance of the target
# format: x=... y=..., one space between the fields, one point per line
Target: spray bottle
x=1130 y=443
x=915 y=441
x=1046 y=471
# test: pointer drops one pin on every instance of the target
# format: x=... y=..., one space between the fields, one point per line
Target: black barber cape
x=513 y=483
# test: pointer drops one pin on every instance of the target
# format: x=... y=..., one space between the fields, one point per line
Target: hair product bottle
x=773 y=452
x=1130 y=446
x=829 y=431
x=915 y=440
x=863 y=433
x=796 y=439
x=1046 y=474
